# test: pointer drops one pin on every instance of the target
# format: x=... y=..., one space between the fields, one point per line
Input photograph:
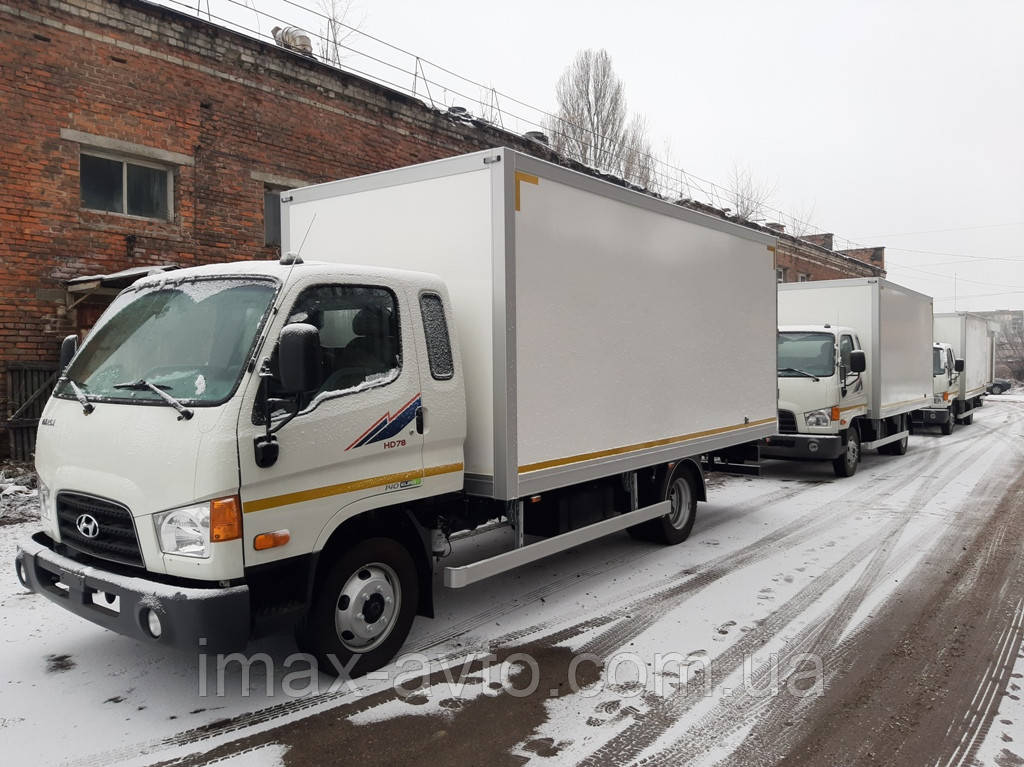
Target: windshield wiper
x=87 y=406
x=142 y=384
x=801 y=372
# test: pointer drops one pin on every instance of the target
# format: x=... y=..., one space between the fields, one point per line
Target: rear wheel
x=997 y=389
x=674 y=527
x=899 y=447
x=968 y=420
x=363 y=608
x=846 y=464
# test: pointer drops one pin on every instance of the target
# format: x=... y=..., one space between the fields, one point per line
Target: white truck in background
x=963 y=359
x=247 y=447
x=853 y=363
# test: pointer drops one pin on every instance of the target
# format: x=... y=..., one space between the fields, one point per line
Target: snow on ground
x=770 y=558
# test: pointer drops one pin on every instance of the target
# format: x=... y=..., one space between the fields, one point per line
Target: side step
x=457 y=577
x=884 y=440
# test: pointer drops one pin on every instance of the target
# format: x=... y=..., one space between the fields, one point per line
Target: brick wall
x=232 y=113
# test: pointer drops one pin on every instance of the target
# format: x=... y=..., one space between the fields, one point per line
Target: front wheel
x=997 y=389
x=948 y=426
x=363 y=608
x=846 y=464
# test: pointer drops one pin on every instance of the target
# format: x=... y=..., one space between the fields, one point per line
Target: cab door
x=355 y=438
x=852 y=397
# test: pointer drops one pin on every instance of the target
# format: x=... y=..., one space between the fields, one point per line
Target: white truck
x=242 y=448
x=963 y=359
x=853 y=363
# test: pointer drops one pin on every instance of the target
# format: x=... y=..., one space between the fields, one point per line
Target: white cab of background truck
x=854 y=361
x=963 y=360
x=246 y=447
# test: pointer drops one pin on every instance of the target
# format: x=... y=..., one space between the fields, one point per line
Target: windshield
x=938 y=362
x=189 y=338
x=813 y=353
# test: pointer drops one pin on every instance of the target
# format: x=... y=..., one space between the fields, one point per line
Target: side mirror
x=299 y=358
x=68 y=347
x=858 y=361
x=958 y=366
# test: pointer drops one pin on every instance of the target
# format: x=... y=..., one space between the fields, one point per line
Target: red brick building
x=137 y=136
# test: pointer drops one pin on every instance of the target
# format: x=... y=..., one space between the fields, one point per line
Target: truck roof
x=814 y=329
x=280 y=271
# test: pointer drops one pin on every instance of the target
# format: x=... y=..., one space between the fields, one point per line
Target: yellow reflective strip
x=302 y=496
x=529 y=178
x=642 y=446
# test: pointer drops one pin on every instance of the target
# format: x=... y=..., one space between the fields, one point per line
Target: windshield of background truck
x=938 y=362
x=813 y=353
x=191 y=339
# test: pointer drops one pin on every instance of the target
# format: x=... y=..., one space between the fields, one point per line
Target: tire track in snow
x=643 y=733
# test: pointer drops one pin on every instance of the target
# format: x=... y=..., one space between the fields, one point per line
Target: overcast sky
x=883 y=122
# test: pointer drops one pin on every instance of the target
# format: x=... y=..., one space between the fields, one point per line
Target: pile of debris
x=19 y=494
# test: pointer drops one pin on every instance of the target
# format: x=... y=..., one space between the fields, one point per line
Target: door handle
x=419 y=420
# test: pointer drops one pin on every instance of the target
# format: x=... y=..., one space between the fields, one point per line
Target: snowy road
x=807 y=620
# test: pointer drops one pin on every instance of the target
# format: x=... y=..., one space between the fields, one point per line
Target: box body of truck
x=601 y=330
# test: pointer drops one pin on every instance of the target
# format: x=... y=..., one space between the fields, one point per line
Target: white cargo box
x=894 y=325
x=601 y=330
x=972 y=341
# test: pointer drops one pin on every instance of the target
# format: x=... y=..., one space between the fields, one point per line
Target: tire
x=846 y=464
x=997 y=389
x=675 y=526
x=376 y=575
x=968 y=420
x=948 y=426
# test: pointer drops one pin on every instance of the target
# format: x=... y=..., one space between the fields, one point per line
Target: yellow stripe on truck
x=327 y=491
x=529 y=178
x=641 y=446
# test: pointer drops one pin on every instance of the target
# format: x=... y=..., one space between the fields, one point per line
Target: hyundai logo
x=87 y=525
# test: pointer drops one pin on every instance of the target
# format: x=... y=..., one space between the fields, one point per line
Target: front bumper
x=802 y=447
x=931 y=415
x=210 y=620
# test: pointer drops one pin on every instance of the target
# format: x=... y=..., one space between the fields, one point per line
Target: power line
x=940 y=231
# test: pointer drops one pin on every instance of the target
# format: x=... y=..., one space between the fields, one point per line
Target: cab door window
x=359 y=335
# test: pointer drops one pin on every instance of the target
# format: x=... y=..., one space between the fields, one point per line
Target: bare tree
x=1010 y=346
x=592 y=124
x=749 y=196
x=338 y=27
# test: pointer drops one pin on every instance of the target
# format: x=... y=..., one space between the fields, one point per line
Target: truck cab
x=821 y=392
x=946 y=371
x=189 y=482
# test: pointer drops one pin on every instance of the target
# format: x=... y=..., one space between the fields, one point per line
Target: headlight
x=189 y=531
x=817 y=418
x=185 y=531
x=45 y=501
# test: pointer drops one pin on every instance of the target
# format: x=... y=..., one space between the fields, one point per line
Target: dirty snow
x=124 y=702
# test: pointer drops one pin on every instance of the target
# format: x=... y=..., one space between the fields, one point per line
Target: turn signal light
x=945 y=396
x=835 y=412
x=225 y=519
x=272 y=540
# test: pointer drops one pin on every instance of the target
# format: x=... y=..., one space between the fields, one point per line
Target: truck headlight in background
x=191 y=530
x=817 y=418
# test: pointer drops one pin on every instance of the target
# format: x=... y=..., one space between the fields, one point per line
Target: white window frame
x=803 y=278
x=125 y=160
x=780 y=274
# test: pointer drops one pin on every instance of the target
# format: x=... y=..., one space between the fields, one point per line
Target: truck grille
x=115 y=540
x=787 y=422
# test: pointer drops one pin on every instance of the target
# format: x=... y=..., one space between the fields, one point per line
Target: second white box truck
x=295 y=444
x=854 y=360
x=963 y=360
